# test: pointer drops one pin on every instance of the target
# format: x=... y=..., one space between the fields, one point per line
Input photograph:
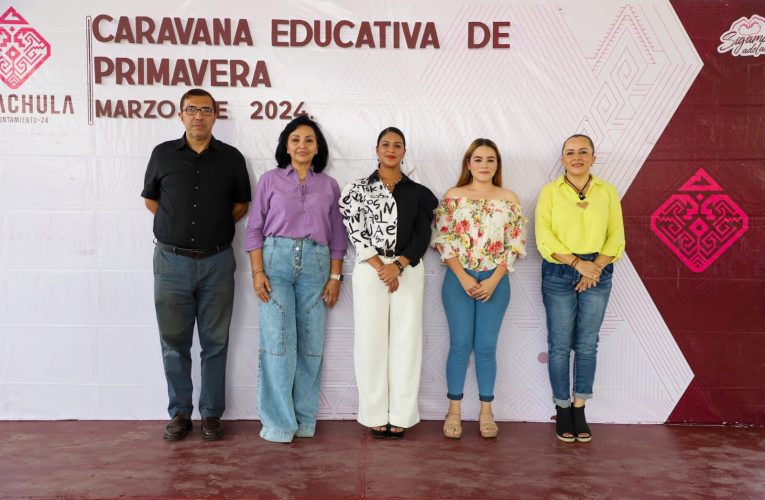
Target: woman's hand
x=585 y=284
x=393 y=286
x=262 y=286
x=588 y=270
x=389 y=273
x=469 y=284
x=331 y=292
x=486 y=288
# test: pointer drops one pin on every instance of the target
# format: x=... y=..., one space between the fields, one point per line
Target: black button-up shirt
x=196 y=192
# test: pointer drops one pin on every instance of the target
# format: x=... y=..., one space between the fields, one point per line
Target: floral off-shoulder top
x=482 y=233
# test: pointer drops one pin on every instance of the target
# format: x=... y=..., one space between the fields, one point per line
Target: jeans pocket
x=155 y=261
x=313 y=322
x=231 y=260
x=312 y=337
x=268 y=253
x=608 y=270
x=322 y=259
x=272 y=327
x=554 y=282
x=166 y=266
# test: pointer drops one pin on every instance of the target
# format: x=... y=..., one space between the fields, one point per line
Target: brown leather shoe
x=212 y=429
x=178 y=427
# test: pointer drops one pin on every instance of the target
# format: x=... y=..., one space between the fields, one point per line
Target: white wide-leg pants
x=388 y=345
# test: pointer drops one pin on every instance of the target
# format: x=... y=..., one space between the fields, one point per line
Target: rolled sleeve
x=354 y=218
x=253 y=237
x=615 y=239
x=547 y=243
x=418 y=243
x=338 y=241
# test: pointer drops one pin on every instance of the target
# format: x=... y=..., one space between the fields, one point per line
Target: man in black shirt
x=197 y=188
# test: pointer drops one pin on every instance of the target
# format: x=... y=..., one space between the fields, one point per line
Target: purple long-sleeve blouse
x=284 y=207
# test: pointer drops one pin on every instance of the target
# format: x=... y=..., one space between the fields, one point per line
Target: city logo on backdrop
x=22 y=51
x=746 y=37
x=699 y=222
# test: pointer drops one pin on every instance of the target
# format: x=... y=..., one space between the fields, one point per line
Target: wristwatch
x=338 y=277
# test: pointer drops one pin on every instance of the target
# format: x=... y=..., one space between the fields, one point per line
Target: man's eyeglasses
x=192 y=110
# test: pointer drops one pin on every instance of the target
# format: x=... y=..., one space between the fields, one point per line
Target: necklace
x=390 y=185
x=580 y=192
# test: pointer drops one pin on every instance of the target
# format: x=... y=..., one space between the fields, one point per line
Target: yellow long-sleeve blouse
x=566 y=225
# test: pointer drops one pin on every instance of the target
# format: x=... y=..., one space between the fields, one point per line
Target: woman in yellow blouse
x=580 y=233
x=479 y=231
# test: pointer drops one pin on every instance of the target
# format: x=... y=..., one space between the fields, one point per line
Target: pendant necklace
x=390 y=185
x=579 y=192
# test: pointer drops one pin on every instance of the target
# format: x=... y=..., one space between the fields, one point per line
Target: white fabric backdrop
x=78 y=337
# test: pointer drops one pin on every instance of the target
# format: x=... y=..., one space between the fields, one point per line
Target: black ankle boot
x=564 y=424
x=581 y=429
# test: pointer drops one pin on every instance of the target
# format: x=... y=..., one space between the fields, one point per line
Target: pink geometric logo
x=699 y=222
x=22 y=49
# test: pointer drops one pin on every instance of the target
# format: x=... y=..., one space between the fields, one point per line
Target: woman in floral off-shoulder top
x=479 y=231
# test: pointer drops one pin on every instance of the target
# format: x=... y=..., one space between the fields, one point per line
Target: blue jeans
x=573 y=322
x=473 y=326
x=292 y=325
x=188 y=290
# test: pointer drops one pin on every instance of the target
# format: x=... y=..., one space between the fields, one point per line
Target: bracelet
x=338 y=277
x=256 y=271
x=575 y=262
x=399 y=266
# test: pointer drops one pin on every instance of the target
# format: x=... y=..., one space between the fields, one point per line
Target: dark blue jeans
x=473 y=326
x=573 y=323
x=188 y=290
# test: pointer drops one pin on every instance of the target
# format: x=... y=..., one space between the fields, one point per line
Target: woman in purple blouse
x=296 y=241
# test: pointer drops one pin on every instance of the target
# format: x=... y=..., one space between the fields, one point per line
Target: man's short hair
x=199 y=93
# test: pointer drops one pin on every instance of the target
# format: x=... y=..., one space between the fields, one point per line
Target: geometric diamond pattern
x=699 y=222
x=22 y=49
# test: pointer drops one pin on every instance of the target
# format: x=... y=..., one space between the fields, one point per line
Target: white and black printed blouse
x=377 y=219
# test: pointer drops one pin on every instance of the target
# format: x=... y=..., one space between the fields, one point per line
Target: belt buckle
x=197 y=254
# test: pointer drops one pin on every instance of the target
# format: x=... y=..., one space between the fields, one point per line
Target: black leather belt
x=194 y=253
x=385 y=253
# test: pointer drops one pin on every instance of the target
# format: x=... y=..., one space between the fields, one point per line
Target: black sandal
x=580 y=425
x=564 y=424
x=395 y=434
x=380 y=433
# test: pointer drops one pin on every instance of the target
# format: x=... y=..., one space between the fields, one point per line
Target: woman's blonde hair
x=466 y=177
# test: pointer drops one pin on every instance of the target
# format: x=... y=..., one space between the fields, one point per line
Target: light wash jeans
x=573 y=322
x=188 y=290
x=473 y=326
x=292 y=326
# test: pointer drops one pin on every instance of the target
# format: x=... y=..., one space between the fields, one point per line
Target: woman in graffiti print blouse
x=388 y=218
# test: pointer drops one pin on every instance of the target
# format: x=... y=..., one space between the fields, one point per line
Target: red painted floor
x=78 y=459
